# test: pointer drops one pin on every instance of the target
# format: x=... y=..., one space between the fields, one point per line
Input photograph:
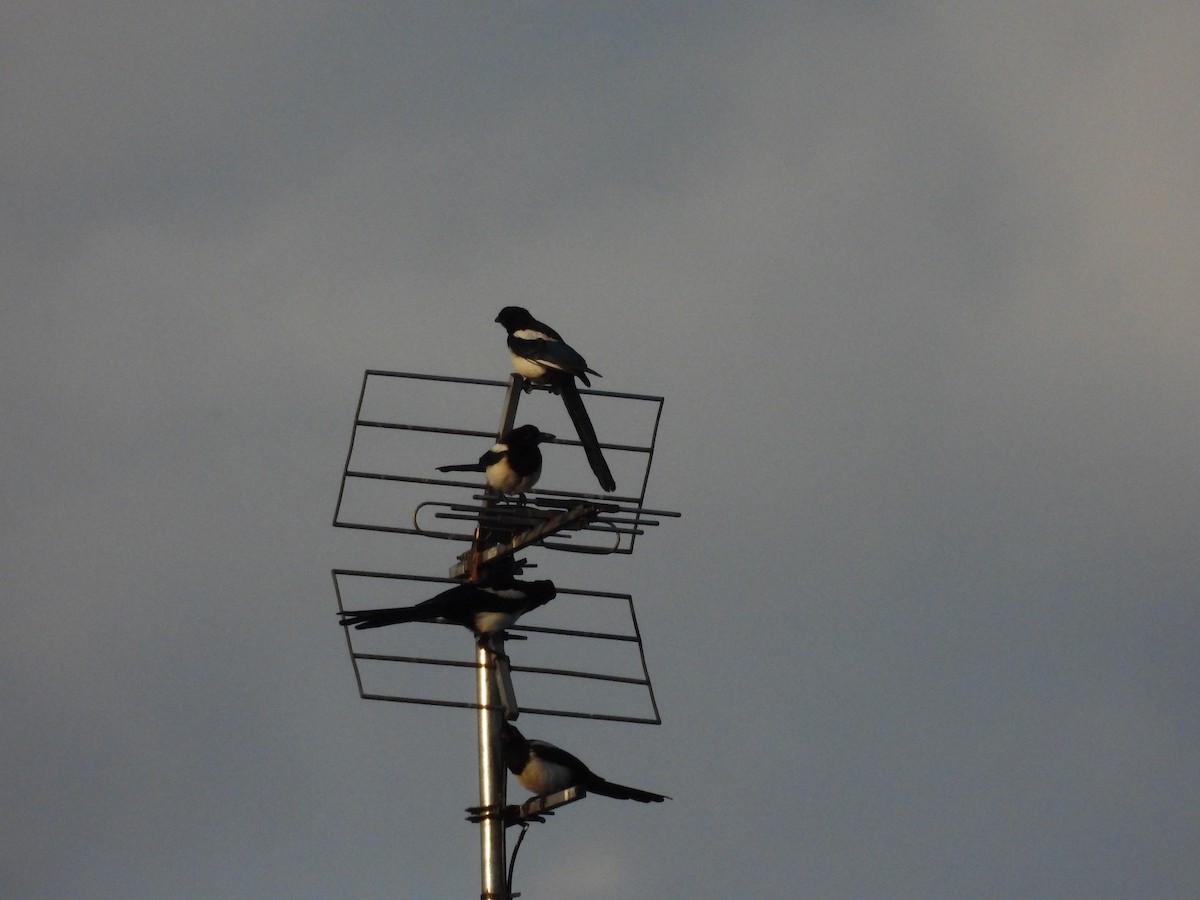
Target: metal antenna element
x=550 y=518
x=414 y=664
x=376 y=494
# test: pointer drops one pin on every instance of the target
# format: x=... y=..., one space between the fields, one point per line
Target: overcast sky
x=918 y=282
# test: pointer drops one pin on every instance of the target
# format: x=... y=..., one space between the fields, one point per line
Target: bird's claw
x=507 y=814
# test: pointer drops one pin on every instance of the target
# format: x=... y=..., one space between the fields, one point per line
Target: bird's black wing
x=589 y=780
x=553 y=354
x=560 y=757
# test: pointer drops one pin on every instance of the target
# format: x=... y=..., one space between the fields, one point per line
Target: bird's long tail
x=587 y=434
x=377 y=618
x=624 y=792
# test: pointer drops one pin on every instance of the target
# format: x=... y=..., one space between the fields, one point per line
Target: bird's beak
x=542 y=436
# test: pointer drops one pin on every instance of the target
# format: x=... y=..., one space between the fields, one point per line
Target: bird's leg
x=488 y=642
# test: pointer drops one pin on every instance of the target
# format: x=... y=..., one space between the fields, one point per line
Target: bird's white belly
x=501 y=476
x=545 y=778
x=527 y=368
x=491 y=622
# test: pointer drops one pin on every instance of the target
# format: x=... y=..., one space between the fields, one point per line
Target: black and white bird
x=539 y=354
x=514 y=464
x=485 y=610
x=546 y=769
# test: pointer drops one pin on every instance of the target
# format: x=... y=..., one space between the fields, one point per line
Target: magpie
x=539 y=354
x=485 y=610
x=514 y=464
x=546 y=769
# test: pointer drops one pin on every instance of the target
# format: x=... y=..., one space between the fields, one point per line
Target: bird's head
x=514 y=749
x=529 y=434
x=542 y=592
x=514 y=317
x=510 y=736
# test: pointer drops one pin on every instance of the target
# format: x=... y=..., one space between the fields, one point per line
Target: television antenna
x=386 y=487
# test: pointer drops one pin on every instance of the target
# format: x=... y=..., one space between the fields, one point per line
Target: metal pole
x=492 y=775
x=512 y=397
x=491 y=779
